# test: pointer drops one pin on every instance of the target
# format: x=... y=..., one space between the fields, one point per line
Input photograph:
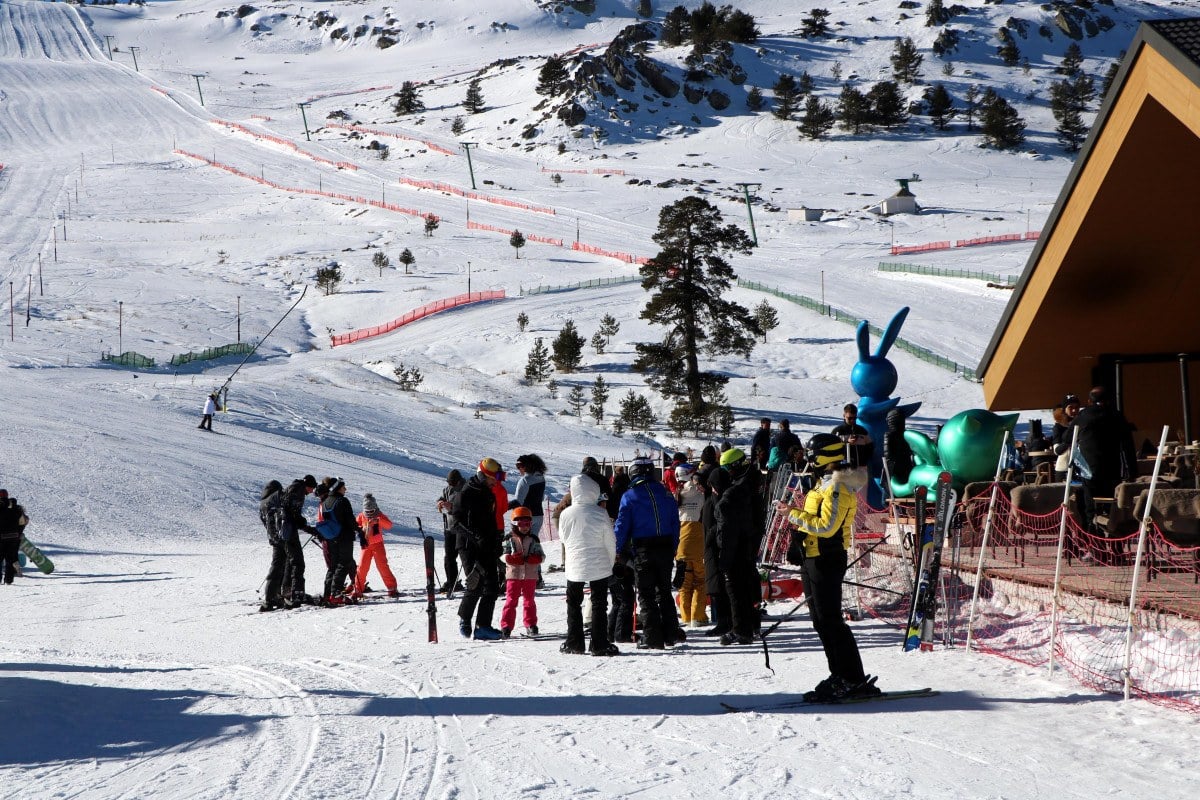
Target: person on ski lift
x=822 y=534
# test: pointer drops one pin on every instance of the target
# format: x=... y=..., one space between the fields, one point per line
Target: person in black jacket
x=475 y=513
x=12 y=528
x=341 y=549
x=270 y=511
x=290 y=528
x=718 y=482
x=1106 y=453
x=622 y=586
x=738 y=539
x=785 y=440
x=445 y=504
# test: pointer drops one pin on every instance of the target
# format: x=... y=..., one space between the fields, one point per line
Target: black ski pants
x=293 y=571
x=279 y=558
x=599 y=590
x=341 y=563
x=10 y=546
x=450 y=558
x=622 y=585
x=823 y=576
x=654 y=563
x=481 y=585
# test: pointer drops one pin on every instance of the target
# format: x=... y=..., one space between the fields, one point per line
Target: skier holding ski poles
x=822 y=533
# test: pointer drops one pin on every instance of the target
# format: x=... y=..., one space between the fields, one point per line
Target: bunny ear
x=864 y=340
x=890 y=332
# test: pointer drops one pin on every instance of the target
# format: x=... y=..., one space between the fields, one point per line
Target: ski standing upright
x=919 y=633
x=431 y=607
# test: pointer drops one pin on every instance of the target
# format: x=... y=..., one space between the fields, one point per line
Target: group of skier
x=697 y=532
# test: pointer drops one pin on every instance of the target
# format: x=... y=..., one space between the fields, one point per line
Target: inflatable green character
x=968 y=448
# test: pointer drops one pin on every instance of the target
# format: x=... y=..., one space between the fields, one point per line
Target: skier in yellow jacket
x=822 y=534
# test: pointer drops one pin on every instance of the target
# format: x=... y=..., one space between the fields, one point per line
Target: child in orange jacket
x=373 y=522
x=522 y=554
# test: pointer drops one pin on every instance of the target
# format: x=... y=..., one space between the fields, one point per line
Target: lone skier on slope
x=210 y=408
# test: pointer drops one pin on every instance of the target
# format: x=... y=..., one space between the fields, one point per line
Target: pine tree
x=645 y=9
x=553 y=76
x=767 y=318
x=598 y=343
x=887 y=104
x=522 y=321
x=567 y=348
x=1111 y=75
x=1069 y=99
x=906 y=61
x=636 y=414
x=473 y=102
x=517 y=241
x=805 y=85
x=754 y=99
x=329 y=278
x=940 y=105
x=458 y=126
x=1071 y=62
x=936 y=14
x=1008 y=51
x=380 y=260
x=816 y=24
x=853 y=109
x=786 y=97
x=609 y=327
x=689 y=279
x=537 y=367
x=431 y=223
x=818 y=118
x=408 y=100
x=407 y=259
x=677 y=27
x=972 y=98
x=599 y=398
x=999 y=122
x=576 y=400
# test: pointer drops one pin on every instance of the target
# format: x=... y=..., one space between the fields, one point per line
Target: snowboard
x=903 y=694
x=923 y=609
x=38 y=558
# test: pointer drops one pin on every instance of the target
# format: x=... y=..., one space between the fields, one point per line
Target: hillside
x=140 y=217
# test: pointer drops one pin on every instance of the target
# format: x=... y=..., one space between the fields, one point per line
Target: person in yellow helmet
x=822 y=533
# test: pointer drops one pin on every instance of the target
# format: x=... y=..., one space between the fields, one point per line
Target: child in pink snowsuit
x=522 y=554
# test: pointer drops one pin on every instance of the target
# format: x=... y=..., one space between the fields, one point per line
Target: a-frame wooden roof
x=1117 y=269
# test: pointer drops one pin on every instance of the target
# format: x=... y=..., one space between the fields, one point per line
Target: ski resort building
x=1110 y=292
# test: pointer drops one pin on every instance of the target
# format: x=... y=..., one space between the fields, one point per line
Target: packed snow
x=141 y=667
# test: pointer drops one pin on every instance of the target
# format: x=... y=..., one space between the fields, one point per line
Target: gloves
x=362 y=540
x=795 y=551
x=680 y=571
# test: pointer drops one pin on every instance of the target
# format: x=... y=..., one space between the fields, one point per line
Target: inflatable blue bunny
x=875 y=378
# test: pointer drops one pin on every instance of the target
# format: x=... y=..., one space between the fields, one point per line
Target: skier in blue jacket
x=648 y=522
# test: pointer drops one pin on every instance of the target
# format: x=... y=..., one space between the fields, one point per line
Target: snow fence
x=424 y=311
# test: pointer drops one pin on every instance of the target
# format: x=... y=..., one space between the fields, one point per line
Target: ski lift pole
x=1137 y=563
x=987 y=530
x=749 y=210
x=1062 y=535
x=229 y=380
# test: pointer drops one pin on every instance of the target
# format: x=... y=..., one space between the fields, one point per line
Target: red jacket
x=374 y=526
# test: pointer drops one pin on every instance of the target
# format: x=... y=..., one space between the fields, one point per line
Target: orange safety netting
x=412 y=212
x=279 y=140
x=437 y=148
x=532 y=237
x=596 y=251
x=417 y=313
x=500 y=201
x=1015 y=612
x=899 y=249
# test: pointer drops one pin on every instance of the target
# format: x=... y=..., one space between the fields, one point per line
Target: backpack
x=327 y=525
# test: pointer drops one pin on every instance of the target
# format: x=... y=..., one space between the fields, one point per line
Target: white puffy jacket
x=587 y=533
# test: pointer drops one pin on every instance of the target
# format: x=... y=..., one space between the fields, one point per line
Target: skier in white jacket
x=591 y=549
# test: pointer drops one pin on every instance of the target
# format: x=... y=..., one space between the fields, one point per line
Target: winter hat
x=454 y=477
x=338 y=485
x=590 y=464
x=3 y=494
x=1070 y=400
x=732 y=456
x=310 y=481
x=490 y=466
x=369 y=504
x=642 y=465
x=321 y=491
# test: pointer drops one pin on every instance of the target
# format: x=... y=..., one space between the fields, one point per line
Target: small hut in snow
x=902 y=202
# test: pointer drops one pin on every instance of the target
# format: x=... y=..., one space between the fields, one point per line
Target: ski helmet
x=642 y=465
x=826 y=450
x=521 y=512
x=732 y=457
x=685 y=471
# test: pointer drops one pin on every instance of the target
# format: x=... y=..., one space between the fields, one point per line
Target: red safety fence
x=438 y=186
x=327 y=95
x=1094 y=636
x=437 y=148
x=412 y=212
x=597 y=171
x=531 y=237
x=160 y=90
x=279 y=140
x=1001 y=239
x=417 y=313
x=628 y=258
x=263 y=117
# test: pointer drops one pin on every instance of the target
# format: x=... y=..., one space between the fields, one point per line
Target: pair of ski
x=923 y=609
x=904 y=694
